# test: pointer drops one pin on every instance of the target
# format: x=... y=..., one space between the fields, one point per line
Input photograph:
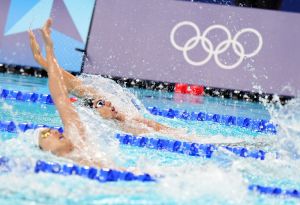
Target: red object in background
x=196 y=89
x=181 y=88
x=189 y=89
x=73 y=99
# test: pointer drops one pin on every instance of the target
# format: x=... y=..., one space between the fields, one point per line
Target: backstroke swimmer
x=97 y=101
x=61 y=83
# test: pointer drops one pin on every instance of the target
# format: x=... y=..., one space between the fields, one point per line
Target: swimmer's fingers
x=47 y=38
x=50 y=57
x=31 y=34
x=46 y=30
x=47 y=26
x=34 y=44
x=36 y=50
x=46 y=33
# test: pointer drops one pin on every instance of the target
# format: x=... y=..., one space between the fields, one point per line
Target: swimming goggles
x=100 y=103
x=46 y=133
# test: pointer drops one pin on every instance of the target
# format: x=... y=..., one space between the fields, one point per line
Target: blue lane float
x=26 y=96
x=255 y=125
x=111 y=175
x=188 y=148
x=275 y=191
x=13 y=127
x=92 y=173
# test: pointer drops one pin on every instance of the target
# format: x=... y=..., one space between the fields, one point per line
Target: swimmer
x=135 y=125
x=72 y=142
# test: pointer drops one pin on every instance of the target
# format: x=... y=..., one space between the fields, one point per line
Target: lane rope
x=248 y=123
x=176 y=146
x=110 y=175
x=92 y=173
x=275 y=191
x=187 y=148
x=228 y=120
x=26 y=96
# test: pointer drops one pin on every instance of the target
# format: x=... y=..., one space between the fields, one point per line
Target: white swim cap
x=36 y=135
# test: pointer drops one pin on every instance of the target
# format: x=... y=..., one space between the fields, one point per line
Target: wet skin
x=54 y=141
x=106 y=110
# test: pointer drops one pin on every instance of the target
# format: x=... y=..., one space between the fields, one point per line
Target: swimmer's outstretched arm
x=59 y=91
x=73 y=84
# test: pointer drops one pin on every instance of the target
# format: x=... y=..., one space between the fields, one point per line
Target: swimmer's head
x=104 y=108
x=51 y=140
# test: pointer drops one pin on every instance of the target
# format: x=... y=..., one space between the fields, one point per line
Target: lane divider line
x=228 y=120
x=248 y=123
x=92 y=173
x=276 y=191
x=110 y=175
x=188 y=148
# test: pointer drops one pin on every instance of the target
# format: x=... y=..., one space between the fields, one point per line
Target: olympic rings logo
x=208 y=46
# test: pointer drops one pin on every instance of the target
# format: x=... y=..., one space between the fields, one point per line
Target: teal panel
x=81 y=15
x=33 y=19
x=17 y=10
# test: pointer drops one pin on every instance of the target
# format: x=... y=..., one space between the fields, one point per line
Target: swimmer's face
x=105 y=109
x=54 y=141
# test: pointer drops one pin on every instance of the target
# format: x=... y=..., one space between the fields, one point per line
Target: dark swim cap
x=88 y=102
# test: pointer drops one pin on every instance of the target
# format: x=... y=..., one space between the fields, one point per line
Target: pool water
x=221 y=179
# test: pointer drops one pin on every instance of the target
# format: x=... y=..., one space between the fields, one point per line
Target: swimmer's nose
x=113 y=108
x=55 y=133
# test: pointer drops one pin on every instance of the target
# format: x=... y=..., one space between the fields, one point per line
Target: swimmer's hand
x=46 y=33
x=53 y=66
x=36 y=51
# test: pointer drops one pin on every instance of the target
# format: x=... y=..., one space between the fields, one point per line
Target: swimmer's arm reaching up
x=59 y=92
x=73 y=84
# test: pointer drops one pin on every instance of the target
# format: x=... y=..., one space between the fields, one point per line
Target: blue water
x=222 y=179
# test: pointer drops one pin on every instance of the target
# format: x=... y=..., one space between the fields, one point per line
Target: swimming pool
x=221 y=179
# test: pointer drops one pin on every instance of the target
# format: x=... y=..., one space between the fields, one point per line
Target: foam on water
x=288 y=119
x=121 y=98
x=207 y=181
